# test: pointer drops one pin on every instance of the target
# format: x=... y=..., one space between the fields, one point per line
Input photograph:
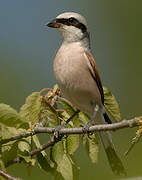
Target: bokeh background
x=27 y=49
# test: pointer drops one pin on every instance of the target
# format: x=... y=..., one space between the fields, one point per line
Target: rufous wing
x=95 y=74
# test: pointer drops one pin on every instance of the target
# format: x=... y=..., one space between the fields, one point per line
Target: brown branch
x=8 y=176
x=17 y=137
x=51 y=142
x=37 y=130
x=100 y=127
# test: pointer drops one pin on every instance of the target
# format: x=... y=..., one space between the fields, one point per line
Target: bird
x=77 y=76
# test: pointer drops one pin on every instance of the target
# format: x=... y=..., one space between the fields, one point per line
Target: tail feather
x=114 y=161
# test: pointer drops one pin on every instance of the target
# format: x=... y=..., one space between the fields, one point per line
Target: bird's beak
x=54 y=24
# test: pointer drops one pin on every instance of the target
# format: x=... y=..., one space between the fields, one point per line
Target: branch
x=37 y=130
x=51 y=142
x=8 y=176
x=100 y=127
x=17 y=137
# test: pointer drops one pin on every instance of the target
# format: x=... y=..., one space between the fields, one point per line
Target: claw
x=57 y=135
x=86 y=130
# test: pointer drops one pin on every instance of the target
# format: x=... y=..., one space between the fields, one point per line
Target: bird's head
x=72 y=26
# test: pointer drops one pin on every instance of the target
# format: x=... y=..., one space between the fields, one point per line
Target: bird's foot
x=86 y=130
x=57 y=135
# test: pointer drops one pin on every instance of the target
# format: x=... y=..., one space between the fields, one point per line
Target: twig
x=51 y=142
x=133 y=142
x=44 y=146
x=100 y=127
x=8 y=176
x=17 y=137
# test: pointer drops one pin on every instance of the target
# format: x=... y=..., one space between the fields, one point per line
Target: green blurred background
x=27 y=49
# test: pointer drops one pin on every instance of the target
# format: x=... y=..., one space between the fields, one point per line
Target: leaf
x=43 y=162
x=70 y=110
x=75 y=169
x=139 y=131
x=9 y=152
x=136 y=139
x=65 y=168
x=2 y=166
x=84 y=118
x=111 y=104
x=37 y=144
x=52 y=119
x=58 y=176
x=24 y=150
x=7 y=132
x=57 y=152
x=92 y=147
x=24 y=144
x=31 y=109
x=10 y=117
x=72 y=143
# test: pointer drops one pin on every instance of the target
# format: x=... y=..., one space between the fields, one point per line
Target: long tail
x=114 y=160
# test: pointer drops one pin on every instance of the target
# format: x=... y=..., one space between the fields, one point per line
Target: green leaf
x=58 y=176
x=24 y=147
x=111 y=104
x=31 y=109
x=9 y=152
x=37 y=144
x=57 y=152
x=10 y=117
x=7 y=132
x=83 y=118
x=92 y=147
x=2 y=166
x=26 y=156
x=65 y=168
x=75 y=169
x=69 y=111
x=52 y=119
x=43 y=162
x=72 y=143
x=24 y=144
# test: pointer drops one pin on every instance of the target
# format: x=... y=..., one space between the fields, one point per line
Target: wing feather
x=95 y=74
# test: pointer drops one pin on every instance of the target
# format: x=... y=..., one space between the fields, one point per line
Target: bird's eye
x=71 y=20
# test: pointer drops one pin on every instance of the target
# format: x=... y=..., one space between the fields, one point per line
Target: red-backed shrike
x=78 y=78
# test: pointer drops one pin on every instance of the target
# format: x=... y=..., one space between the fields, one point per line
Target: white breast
x=74 y=78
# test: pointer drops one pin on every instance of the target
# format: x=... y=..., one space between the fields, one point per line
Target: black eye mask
x=72 y=22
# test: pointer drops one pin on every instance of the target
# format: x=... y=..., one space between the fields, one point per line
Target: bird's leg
x=86 y=127
x=57 y=129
